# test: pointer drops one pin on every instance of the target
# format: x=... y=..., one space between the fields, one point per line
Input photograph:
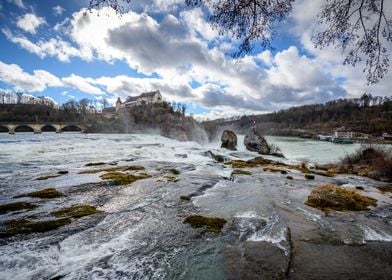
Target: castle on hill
x=145 y=98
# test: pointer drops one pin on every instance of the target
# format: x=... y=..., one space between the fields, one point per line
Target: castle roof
x=144 y=94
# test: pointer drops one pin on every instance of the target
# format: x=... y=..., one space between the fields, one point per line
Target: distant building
x=387 y=136
x=343 y=133
x=143 y=99
x=343 y=136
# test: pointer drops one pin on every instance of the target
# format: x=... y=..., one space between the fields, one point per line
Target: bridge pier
x=37 y=128
x=11 y=128
x=58 y=127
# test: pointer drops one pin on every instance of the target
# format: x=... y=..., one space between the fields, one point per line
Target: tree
x=359 y=27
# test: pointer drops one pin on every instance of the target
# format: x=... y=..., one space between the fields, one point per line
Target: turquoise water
x=312 y=150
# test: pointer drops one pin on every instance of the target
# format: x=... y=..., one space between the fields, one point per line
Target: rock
x=255 y=142
x=385 y=189
x=119 y=178
x=14 y=227
x=229 y=140
x=16 y=206
x=46 y=193
x=42 y=178
x=185 y=197
x=241 y=172
x=329 y=196
x=181 y=155
x=94 y=164
x=277 y=154
x=289 y=177
x=309 y=176
x=174 y=171
x=76 y=211
x=359 y=188
x=218 y=158
x=211 y=224
x=255 y=260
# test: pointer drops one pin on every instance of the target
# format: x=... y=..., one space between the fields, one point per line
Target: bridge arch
x=4 y=129
x=48 y=128
x=24 y=128
x=72 y=128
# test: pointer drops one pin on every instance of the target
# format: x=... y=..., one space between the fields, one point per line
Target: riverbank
x=139 y=232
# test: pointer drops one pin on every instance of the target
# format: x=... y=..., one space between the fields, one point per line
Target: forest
x=368 y=114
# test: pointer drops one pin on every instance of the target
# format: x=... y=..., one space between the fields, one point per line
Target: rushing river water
x=140 y=235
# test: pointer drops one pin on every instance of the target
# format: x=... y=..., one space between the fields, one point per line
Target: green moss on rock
x=14 y=227
x=134 y=167
x=243 y=164
x=119 y=178
x=172 y=179
x=329 y=196
x=16 y=206
x=76 y=211
x=214 y=225
x=46 y=193
x=241 y=172
x=113 y=169
x=174 y=171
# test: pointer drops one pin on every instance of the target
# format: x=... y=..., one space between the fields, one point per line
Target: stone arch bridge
x=37 y=128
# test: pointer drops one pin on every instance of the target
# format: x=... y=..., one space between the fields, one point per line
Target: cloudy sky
x=55 y=48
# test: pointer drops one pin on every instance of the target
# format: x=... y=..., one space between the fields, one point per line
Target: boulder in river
x=255 y=142
x=229 y=140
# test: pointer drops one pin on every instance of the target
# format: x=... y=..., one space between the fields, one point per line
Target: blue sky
x=52 y=48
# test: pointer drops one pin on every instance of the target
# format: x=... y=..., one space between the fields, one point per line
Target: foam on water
x=375 y=235
x=274 y=232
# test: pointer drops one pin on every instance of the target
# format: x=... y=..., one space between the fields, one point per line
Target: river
x=140 y=234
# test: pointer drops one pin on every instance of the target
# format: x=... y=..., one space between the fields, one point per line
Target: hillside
x=157 y=118
x=370 y=115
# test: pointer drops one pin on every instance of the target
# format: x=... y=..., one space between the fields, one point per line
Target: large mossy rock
x=229 y=140
x=255 y=142
x=329 y=196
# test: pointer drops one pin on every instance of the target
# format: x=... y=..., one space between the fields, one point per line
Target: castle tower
x=118 y=104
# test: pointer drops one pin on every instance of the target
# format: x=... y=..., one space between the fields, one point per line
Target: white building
x=145 y=98
x=343 y=133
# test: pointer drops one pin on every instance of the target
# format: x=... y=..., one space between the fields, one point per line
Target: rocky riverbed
x=145 y=207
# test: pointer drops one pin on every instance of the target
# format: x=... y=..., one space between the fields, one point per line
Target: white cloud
x=13 y=75
x=58 y=10
x=18 y=3
x=177 y=51
x=30 y=22
x=80 y=83
x=55 y=47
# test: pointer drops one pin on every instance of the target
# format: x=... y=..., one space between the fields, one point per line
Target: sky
x=55 y=48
